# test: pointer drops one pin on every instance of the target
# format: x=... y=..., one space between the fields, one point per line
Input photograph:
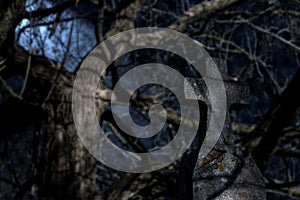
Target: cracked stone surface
x=227 y=172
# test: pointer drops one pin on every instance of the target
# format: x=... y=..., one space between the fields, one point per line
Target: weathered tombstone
x=227 y=172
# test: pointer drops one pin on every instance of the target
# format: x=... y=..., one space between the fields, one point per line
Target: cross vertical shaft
x=227 y=172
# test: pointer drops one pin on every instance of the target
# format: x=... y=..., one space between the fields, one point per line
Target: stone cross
x=227 y=172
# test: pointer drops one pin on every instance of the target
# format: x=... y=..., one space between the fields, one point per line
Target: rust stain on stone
x=242 y=195
x=212 y=156
x=221 y=168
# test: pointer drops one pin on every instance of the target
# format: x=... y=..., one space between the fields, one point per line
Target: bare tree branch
x=200 y=11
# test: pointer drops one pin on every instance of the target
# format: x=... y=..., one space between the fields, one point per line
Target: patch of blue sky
x=32 y=5
x=53 y=42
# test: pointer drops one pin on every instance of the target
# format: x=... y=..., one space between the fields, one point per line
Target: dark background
x=42 y=44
